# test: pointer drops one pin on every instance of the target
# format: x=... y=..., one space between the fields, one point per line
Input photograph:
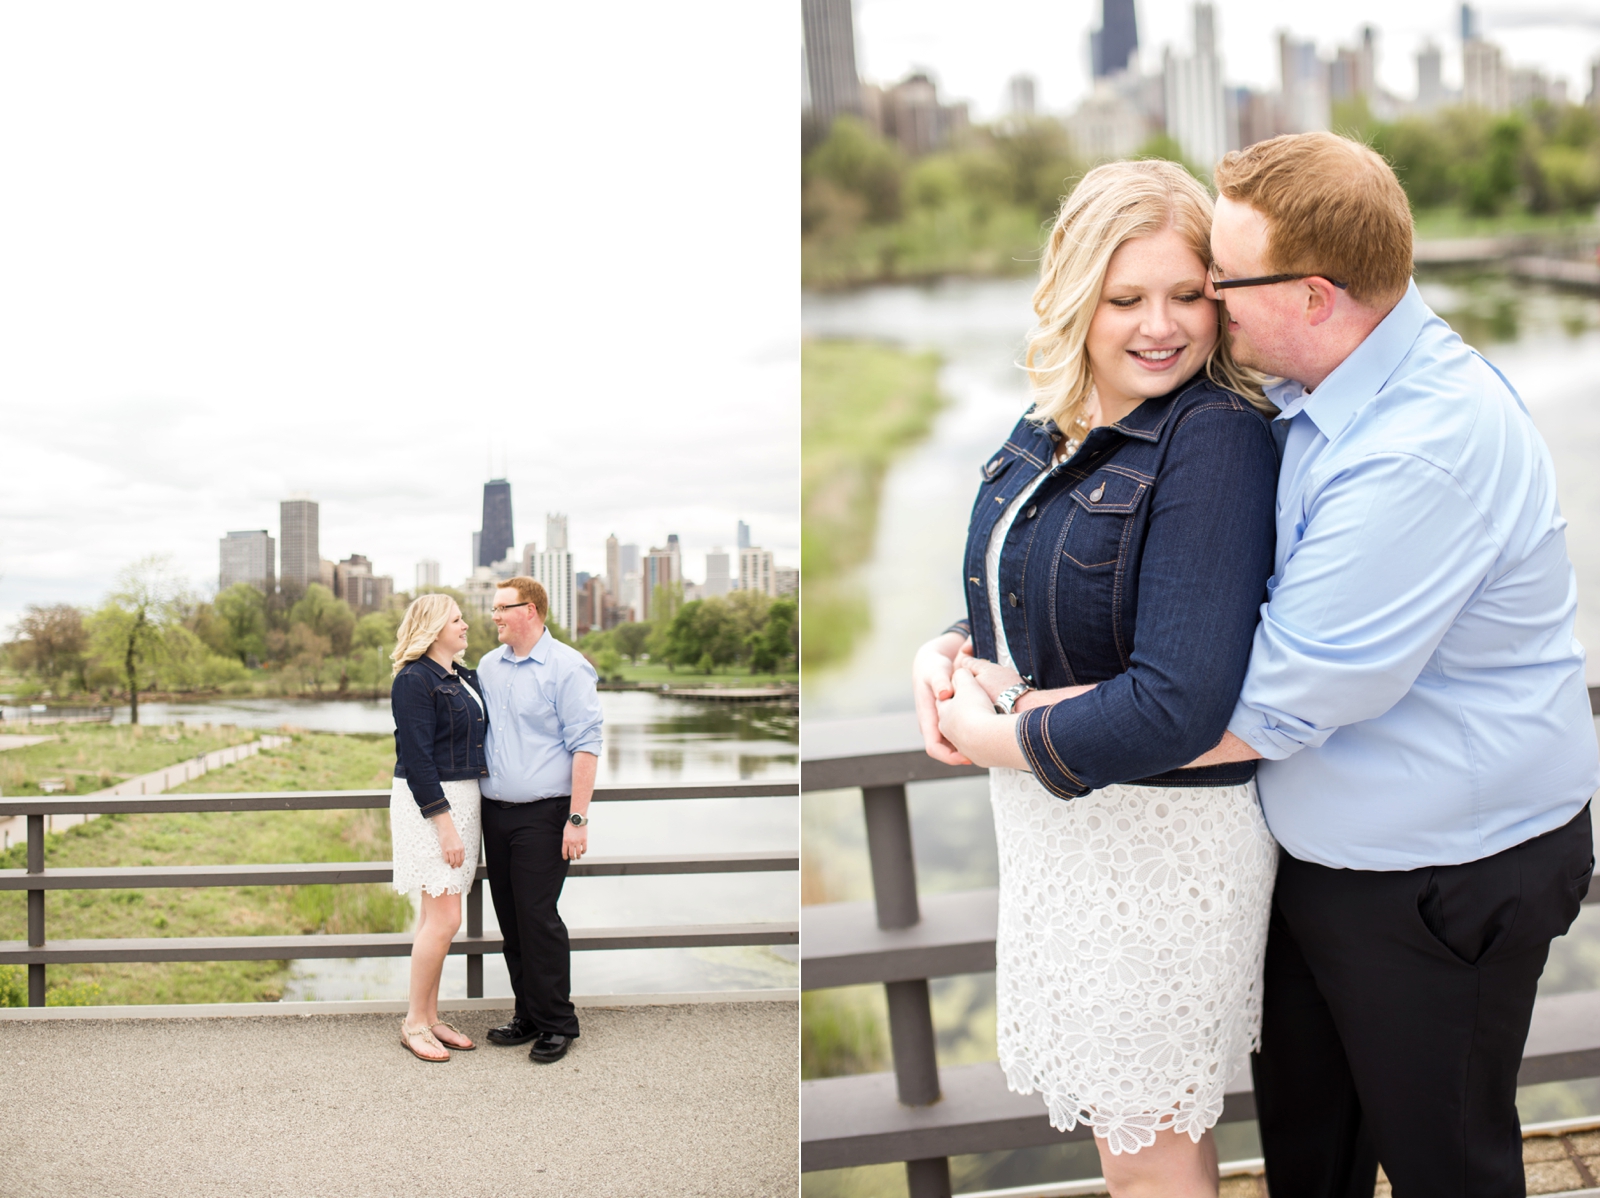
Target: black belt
x=528 y=802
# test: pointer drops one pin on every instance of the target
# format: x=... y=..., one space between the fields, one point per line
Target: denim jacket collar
x=1356 y=381
x=438 y=670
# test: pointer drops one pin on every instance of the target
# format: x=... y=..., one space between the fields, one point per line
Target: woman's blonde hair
x=424 y=621
x=1113 y=204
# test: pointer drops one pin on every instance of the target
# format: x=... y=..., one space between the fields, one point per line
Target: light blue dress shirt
x=543 y=708
x=1414 y=685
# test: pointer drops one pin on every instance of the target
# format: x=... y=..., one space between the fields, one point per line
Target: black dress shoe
x=549 y=1047
x=518 y=1031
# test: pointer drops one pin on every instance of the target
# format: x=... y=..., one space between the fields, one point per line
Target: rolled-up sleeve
x=411 y=701
x=1202 y=572
x=578 y=708
x=1392 y=553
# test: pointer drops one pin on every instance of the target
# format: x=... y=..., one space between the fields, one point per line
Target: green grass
x=314 y=761
x=654 y=675
x=861 y=404
x=1445 y=223
x=90 y=757
x=972 y=239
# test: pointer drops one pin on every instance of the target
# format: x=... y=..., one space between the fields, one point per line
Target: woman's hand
x=930 y=683
x=449 y=840
x=991 y=676
x=968 y=721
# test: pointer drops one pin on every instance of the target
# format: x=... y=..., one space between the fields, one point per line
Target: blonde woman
x=439 y=725
x=1116 y=557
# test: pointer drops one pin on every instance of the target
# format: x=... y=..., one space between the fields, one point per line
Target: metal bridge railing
x=923 y=1115
x=38 y=953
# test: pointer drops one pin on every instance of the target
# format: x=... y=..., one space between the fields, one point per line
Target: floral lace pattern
x=418 y=859
x=1133 y=926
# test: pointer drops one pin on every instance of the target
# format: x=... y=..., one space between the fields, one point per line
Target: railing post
x=35 y=908
x=911 y=1039
x=475 y=928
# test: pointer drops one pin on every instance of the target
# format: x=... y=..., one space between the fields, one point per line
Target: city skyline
x=973 y=59
x=356 y=287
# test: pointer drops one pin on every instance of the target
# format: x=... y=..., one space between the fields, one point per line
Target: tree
x=777 y=642
x=307 y=652
x=51 y=641
x=325 y=616
x=241 y=614
x=631 y=638
x=129 y=627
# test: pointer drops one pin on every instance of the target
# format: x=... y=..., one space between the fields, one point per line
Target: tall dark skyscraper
x=831 y=60
x=496 y=538
x=1112 y=45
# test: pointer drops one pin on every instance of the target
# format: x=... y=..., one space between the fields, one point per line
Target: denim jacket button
x=1096 y=494
x=1012 y=598
x=1033 y=509
x=991 y=468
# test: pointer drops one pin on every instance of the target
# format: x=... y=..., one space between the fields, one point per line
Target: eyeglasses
x=1263 y=280
x=501 y=608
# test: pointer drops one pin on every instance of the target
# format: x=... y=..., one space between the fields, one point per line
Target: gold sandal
x=467 y=1047
x=409 y=1035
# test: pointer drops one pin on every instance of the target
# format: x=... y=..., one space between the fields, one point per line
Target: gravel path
x=665 y=1100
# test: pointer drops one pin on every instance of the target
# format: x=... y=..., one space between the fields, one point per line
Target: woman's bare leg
x=1173 y=1167
x=440 y=917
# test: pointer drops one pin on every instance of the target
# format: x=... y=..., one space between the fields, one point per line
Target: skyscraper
x=427 y=575
x=496 y=537
x=613 y=566
x=755 y=571
x=834 y=86
x=662 y=569
x=1112 y=45
x=555 y=530
x=1197 y=112
x=718 y=581
x=553 y=568
x=743 y=541
x=247 y=557
x=300 y=553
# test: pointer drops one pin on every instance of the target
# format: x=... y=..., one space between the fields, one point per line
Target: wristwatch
x=576 y=820
x=1006 y=702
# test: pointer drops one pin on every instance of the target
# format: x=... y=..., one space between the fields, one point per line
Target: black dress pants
x=522 y=846
x=1395 y=1013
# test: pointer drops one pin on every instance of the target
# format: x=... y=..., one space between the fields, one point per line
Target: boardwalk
x=689 y=1099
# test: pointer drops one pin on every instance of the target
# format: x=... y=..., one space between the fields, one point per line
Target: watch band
x=1006 y=702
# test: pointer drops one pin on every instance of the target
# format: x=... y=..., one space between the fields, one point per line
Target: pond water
x=648 y=739
x=1546 y=341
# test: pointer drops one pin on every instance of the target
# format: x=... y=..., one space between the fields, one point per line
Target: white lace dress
x=1133 y=925
x=418 y=860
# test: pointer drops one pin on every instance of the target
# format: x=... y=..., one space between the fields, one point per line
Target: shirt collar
x=540 y=650
x=1356 y=381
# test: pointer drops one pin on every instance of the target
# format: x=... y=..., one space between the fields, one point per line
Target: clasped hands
x=955 y=696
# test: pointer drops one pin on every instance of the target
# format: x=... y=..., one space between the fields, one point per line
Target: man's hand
x=574 y=842
x=930 y=683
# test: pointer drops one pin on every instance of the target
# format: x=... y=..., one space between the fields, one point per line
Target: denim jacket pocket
x=1095 y=537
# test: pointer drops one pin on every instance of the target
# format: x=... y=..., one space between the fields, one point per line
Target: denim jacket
x=438 y=730
x=1140 y=564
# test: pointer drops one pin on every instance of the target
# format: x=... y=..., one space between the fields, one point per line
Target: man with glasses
x=543 y=746
x=1414 y=690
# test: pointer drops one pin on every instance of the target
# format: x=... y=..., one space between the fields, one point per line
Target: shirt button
x=1012 y=598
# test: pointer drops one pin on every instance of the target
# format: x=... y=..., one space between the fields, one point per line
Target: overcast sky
x=972 y=50
x=375 y=251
